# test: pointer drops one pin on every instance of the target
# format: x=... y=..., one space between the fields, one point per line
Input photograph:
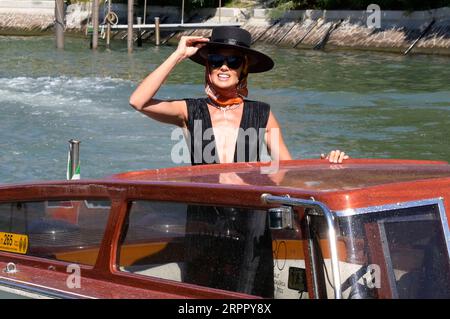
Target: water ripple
x=368 y=104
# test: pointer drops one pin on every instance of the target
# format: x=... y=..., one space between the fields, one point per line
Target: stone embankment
x=26 y=16
x=394 y=31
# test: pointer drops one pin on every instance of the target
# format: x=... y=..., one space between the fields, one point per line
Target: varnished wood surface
x=355 y=184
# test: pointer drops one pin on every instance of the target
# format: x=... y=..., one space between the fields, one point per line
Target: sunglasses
x=232 y=61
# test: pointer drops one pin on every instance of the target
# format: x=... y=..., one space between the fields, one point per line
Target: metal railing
x=322 y=208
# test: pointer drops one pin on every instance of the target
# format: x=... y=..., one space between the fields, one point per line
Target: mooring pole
x=156 y=30
x=145 y=10
x=108 y=26
x=95 y=9
x=420 y=37
x=73 y=162
x=130 y=26
x=139 y=34
x=182 y=12
x=59 y=23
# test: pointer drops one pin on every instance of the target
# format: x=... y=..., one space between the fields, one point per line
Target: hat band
x=232 y=42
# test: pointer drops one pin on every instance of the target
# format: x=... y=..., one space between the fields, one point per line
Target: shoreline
x=302 y=29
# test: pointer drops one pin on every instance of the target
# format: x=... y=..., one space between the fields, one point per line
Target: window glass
x=219 y=247
x=66 y=230
x=400 y=253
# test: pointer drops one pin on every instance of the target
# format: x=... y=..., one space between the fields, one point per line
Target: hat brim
x=257 y=62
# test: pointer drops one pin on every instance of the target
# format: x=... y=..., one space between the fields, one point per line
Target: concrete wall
x=398 y=28
x=28 y=6
x=26 y=16
x=389 y=19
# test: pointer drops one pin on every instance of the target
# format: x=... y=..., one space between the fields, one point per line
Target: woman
x=227 y=248
x=223 y=127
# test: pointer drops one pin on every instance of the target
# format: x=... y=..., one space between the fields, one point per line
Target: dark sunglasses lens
x=234 y=62
x=216 y=60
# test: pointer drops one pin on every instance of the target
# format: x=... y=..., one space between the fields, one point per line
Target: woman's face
x=225 y=77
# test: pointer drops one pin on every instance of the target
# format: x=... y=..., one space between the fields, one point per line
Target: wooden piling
x=182 y=12
x=130 y=26
x=157 y=41
x=420 y=37
x=59 y=23
x=145 y=11
x=139 y=34
x=108 y=26
x=95 y=9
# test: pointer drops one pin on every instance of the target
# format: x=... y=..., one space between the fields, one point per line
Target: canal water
x=371 y=105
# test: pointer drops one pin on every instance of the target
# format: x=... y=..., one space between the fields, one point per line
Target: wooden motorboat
x=311 y=229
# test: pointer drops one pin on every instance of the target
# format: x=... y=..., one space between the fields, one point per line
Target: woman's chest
x=225 y=118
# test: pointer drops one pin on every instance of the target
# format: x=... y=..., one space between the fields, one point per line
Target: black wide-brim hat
x=238 y=39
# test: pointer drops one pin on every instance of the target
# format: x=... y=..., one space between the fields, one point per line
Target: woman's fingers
x=341 y=157
x=335 y=156
x=189 y=45
x=332 y=156
x=194 y=41
x=187 y=42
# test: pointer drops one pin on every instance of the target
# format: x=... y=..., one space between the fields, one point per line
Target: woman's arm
x=172 y=112
x=277 y=147
x=274 y=140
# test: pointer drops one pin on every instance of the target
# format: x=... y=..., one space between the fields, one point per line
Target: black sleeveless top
x=244 y=261
x=249 y=141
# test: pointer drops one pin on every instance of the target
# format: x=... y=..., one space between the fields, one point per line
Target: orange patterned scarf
x=229 y=97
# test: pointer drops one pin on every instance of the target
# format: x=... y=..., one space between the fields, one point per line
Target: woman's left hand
x=335 y=156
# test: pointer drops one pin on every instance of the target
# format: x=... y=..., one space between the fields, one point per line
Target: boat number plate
x=15 y=243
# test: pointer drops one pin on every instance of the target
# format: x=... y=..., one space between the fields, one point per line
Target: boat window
x=395 y=253
x=226 y=248
x=65 y=230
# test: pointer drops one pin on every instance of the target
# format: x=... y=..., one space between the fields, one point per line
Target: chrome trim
x=444 y=222
x=313 y=257
x=387 y=256
x=282 y=216
x=380 y=208
x=10 y=268
x=38 y=289
x=268 y=199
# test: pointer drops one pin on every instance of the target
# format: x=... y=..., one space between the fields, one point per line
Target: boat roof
x=310 y=175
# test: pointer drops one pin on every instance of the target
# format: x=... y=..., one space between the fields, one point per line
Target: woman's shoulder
x=197 y=108
x=195 y=99
x=259 y=104
x=195 y=102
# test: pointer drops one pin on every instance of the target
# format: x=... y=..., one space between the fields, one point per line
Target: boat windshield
x=395 y=252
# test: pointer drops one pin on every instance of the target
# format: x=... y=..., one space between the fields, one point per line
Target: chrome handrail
x=271 y=199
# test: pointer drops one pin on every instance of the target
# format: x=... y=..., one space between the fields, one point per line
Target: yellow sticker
x=14 y=243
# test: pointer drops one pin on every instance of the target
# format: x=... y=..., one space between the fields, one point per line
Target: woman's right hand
x=189 y=45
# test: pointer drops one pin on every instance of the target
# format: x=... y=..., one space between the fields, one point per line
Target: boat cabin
x=311 y=229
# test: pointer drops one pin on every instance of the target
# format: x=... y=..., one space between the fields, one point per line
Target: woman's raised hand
x=189 y=45
x=335 y=156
